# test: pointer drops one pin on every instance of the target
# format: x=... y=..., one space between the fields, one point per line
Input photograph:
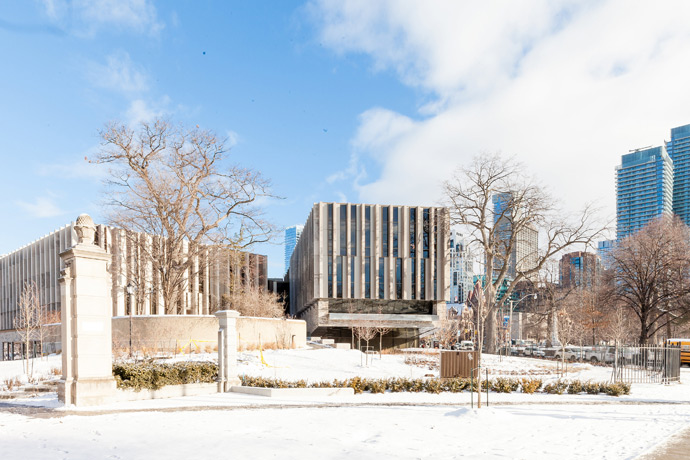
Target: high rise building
x=461 y=269
x=524 y=250
x=579 y=270
x=644 y=189
x=292 y=235
x=604 y=248
x=678 y=149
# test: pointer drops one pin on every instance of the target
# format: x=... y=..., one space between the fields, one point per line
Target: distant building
x=678 y=149
x=292 y=235
x=644 y=189
x=604 y=252
x=461 y=269
x=365 y=264
x=579 y=270
x=524 y=252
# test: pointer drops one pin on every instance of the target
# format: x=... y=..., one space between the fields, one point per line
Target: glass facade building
x=678 y=149
x=292 y=235
x=644 y=189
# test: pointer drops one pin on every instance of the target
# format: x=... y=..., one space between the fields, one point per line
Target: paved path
x=678 y=448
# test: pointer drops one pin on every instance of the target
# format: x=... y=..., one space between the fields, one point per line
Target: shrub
x=504 y=385
x=592 y=388
x=529 y=386
x=616 y=389
x=576 y=387
x=153 y=376
x=433 y=386
x=556 y=388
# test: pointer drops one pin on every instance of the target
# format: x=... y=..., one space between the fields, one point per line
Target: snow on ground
x=404 y=425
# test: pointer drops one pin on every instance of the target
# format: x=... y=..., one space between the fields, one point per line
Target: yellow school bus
x=684 y=345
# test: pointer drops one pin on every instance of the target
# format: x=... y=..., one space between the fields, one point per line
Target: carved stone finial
x=85 y=228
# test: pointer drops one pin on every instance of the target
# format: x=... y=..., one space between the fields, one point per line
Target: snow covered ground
x=404 y=425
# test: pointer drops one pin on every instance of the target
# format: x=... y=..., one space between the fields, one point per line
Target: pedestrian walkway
x=678 y=448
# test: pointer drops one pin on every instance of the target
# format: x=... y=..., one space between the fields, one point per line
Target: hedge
x=152 y=376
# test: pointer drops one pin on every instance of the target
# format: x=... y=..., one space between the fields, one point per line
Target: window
x=384 y=231
x=413 y=226
x=422 y=276
x=330 y=250
x=382 y=293
x=413 y=268
x=352 y=277
x=343 y=230
x=425 y=233
x=367 y=277
x=339 y=277
x=395 y=232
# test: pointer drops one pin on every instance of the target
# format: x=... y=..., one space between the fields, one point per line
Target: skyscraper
x=644 y=189
x=461 y=269
x=524 y=251
x=678 y=149
x=604 y=252
x=292 y=235
x=579 y=269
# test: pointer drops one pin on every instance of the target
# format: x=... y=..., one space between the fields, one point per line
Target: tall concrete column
x=87 y=376
x=227 y=349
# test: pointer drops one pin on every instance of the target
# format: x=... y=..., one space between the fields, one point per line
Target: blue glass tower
x=292 y=235
x=678 y=149
x=644 y=189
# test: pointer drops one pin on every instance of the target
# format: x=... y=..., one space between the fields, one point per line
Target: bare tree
x=524 y=209
x=179 y=185
x=446 y=332
x=252 y=301
x=27 y=321
x=650 y=274
x=619 y=328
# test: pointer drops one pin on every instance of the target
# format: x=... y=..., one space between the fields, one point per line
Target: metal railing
x=645 y=364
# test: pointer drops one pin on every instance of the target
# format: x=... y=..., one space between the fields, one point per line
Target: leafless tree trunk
x=178 y=186
x=650 y=274
x=27 y=321
x=524 y=209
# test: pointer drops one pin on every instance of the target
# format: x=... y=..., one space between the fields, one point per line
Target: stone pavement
x=678 y=448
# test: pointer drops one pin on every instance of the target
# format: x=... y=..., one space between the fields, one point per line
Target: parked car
x=570 y=353
x=533 y=351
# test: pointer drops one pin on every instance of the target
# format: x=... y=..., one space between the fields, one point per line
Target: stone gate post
x=87 y=375
x=227 y=349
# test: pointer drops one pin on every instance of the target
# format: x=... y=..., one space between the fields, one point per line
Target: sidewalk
x=678 y=448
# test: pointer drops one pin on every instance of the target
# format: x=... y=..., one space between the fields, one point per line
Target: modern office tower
x=292 y=235
x=604 y=248
x=461 y=269
x=579 y=270
x=644 y=189
x=678 y=149
x=359 y=264
x=524 y=251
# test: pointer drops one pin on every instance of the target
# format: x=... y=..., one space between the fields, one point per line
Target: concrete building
x=461 y=269
x=525 y=249
x=644 y=189
x=292 y=235
x=358 y=263
x=579 y=270
x=40 y=262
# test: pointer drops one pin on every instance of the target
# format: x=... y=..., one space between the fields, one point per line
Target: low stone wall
x=200 y=333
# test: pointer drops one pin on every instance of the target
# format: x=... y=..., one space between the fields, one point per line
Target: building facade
x=292 y=235
x=678 y=149
x=359 y=263
x=205 y=283
x=644 y=189
x=461 y=269
x=604 y=249
x=524 y=252
x=579 y=270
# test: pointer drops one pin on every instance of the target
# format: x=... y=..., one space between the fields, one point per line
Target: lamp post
x=510 y=320
x=131 y=289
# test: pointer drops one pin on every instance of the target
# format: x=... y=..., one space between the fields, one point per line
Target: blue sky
x=337 y=100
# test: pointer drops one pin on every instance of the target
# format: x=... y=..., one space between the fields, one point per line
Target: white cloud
x=118 y=73
x=141 y=110
x=82 y=168
x=86 y=17
x=566 y=87
x=41 y=207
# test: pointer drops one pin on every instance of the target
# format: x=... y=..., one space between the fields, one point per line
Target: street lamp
x=510 y=320
x=131 y=289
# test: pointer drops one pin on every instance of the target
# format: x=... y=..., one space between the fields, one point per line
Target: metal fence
x=645 y=364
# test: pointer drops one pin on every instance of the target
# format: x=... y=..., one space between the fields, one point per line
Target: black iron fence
x=645 y=363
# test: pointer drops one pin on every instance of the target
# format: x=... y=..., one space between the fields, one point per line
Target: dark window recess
x=384 y=231
x=339 y=277
x=413 y=227
x=367 y=277
x=353 y=230
x=367 y=231
x=398 y=278
x=382 y=279
x=343 y=230
x=395 y=232
x=352 y=277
